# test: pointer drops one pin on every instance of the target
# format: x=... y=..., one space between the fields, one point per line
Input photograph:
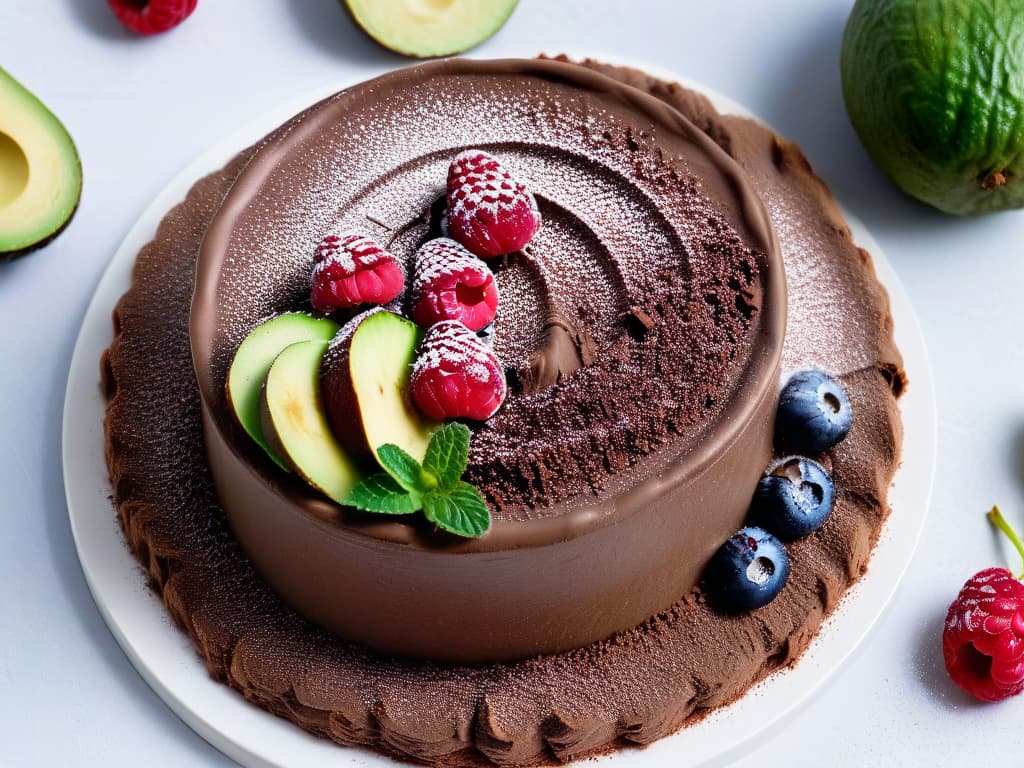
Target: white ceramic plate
x=165 y=658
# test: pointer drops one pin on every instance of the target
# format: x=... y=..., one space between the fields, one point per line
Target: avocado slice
x=40 y=172
x=296 y=426
x=427 y=28
x=366 y=387
x=253 y=359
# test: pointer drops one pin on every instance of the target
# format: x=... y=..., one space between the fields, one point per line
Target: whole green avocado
x=935 y=90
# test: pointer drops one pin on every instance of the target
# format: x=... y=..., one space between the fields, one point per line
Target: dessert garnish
x=252 y=362
x=933 y=89
x=814 y=413
x=983 y=640
x=366 y=385
x=489 y=212
x=350 y=270
x=450 y=283
x=435 y=486
x=426 y=29
x=320 y=408
x=40 y=172
x=295 y=425
x=794 y=498
x=456 y=376
x=151 y=17
x=748 y=571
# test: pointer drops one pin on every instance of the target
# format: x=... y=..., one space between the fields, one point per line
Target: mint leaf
x=405 y=470
x=405 y=486
x=447 y=454
x=381 y=493
x=460 y=510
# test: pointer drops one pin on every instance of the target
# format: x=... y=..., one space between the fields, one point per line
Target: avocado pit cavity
x=13 y=170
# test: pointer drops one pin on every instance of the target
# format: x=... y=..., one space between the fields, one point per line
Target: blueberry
x=814 y=413
x=794 y=498
x=748 y=571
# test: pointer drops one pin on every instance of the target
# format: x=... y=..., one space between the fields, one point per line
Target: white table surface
x=140 y=109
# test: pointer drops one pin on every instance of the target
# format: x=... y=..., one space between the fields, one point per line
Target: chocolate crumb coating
x=634 y=688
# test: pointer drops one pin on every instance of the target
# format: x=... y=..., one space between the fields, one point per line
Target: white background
x=140 y=109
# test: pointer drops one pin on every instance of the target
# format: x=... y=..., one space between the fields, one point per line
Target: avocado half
x=427 y=28
x=40 y=172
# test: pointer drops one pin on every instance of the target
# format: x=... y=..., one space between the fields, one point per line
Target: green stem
x=996 y=518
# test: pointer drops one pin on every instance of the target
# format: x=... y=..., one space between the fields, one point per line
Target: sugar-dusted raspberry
x=450 y=283
x=455 y=375
x=151 y=17
x=489 y=212
x=350 y=270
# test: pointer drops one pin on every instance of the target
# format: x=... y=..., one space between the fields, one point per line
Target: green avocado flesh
x=935 y=90
x=382 y=352
x=295 y=423
x=427 y=28
x=40 y=172
x=253 y=359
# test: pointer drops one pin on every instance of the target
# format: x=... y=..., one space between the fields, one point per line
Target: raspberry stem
x=996 y=518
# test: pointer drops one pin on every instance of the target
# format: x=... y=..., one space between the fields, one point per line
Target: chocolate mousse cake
x=686 y=264
x=641 y=332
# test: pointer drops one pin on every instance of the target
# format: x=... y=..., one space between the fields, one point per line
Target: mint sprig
x=435 y=487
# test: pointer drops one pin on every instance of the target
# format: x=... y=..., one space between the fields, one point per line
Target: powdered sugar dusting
x=444 y=258
x=350 y=270
x=489 y=211
x=455 y=375
x=450 y=283
x=823 y=304
x=450 y=346
x=342 y=337
x=478 y=184
x=349 y=252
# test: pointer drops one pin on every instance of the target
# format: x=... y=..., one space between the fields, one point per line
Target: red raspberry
x=455 y=376
x=983 y=641
x=450 y=283
x=150 y=17
x=489 y=212
x=350 y=270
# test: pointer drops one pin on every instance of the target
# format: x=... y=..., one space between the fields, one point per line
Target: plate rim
x=258 y=739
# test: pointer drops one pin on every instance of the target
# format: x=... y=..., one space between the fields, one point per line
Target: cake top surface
x=634 y=329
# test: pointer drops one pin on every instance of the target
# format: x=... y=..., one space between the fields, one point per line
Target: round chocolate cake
x=644 y=333
x=641 y=331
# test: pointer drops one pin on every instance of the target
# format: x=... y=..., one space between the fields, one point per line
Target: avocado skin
x=12 y=255
x=934 y=91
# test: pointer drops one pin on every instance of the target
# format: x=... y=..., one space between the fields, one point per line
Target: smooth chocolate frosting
x=638 y=686
x=631 y=443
